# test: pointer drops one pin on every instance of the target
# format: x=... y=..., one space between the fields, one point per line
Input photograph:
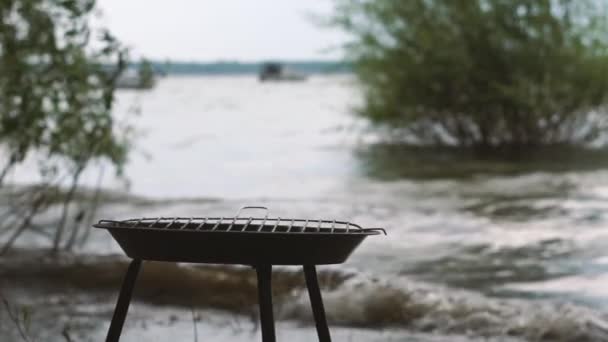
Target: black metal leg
x=316 y=302
x=264 y=273
x=122 y=305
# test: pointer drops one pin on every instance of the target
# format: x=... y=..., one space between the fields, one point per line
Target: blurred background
x=473 y=130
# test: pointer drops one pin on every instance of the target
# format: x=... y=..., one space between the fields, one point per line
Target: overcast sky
x=211 y=30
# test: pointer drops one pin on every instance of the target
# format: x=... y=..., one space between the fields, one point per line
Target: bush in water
x=482 y=73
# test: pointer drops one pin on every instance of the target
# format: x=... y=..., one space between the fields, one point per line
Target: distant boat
x=278 y=72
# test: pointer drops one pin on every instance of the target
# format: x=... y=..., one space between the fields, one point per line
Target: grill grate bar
x=171 y=222
x=304 y=226
x=247 y=224
x=187 y=223
x=218 y=223
x=155 y=222
x=201 y=224
x=232 y=224
x=276 y=224
x=262 y=224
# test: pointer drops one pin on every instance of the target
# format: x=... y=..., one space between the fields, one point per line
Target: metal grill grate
x=238 y=223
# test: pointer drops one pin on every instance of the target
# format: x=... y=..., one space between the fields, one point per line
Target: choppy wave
x=424 y=307
x=351 y=299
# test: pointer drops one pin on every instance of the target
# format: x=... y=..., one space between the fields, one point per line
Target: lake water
x=532 y=227
x=487 y=245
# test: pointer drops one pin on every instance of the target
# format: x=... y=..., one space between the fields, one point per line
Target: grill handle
x=238 y=213
x=375 y=230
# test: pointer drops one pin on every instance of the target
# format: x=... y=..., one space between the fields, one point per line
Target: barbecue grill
x=256 y=241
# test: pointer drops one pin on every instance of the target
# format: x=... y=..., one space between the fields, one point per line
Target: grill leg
x=264 y=273
x=316 y=302
x=124 y=298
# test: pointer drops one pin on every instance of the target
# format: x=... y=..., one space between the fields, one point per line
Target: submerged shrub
x=482 y=72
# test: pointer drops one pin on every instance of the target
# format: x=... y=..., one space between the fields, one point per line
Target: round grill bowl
x=237 y=247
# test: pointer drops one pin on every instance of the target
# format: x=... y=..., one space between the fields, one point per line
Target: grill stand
x=264 y=275
x=316 y=301
x=124 y=298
